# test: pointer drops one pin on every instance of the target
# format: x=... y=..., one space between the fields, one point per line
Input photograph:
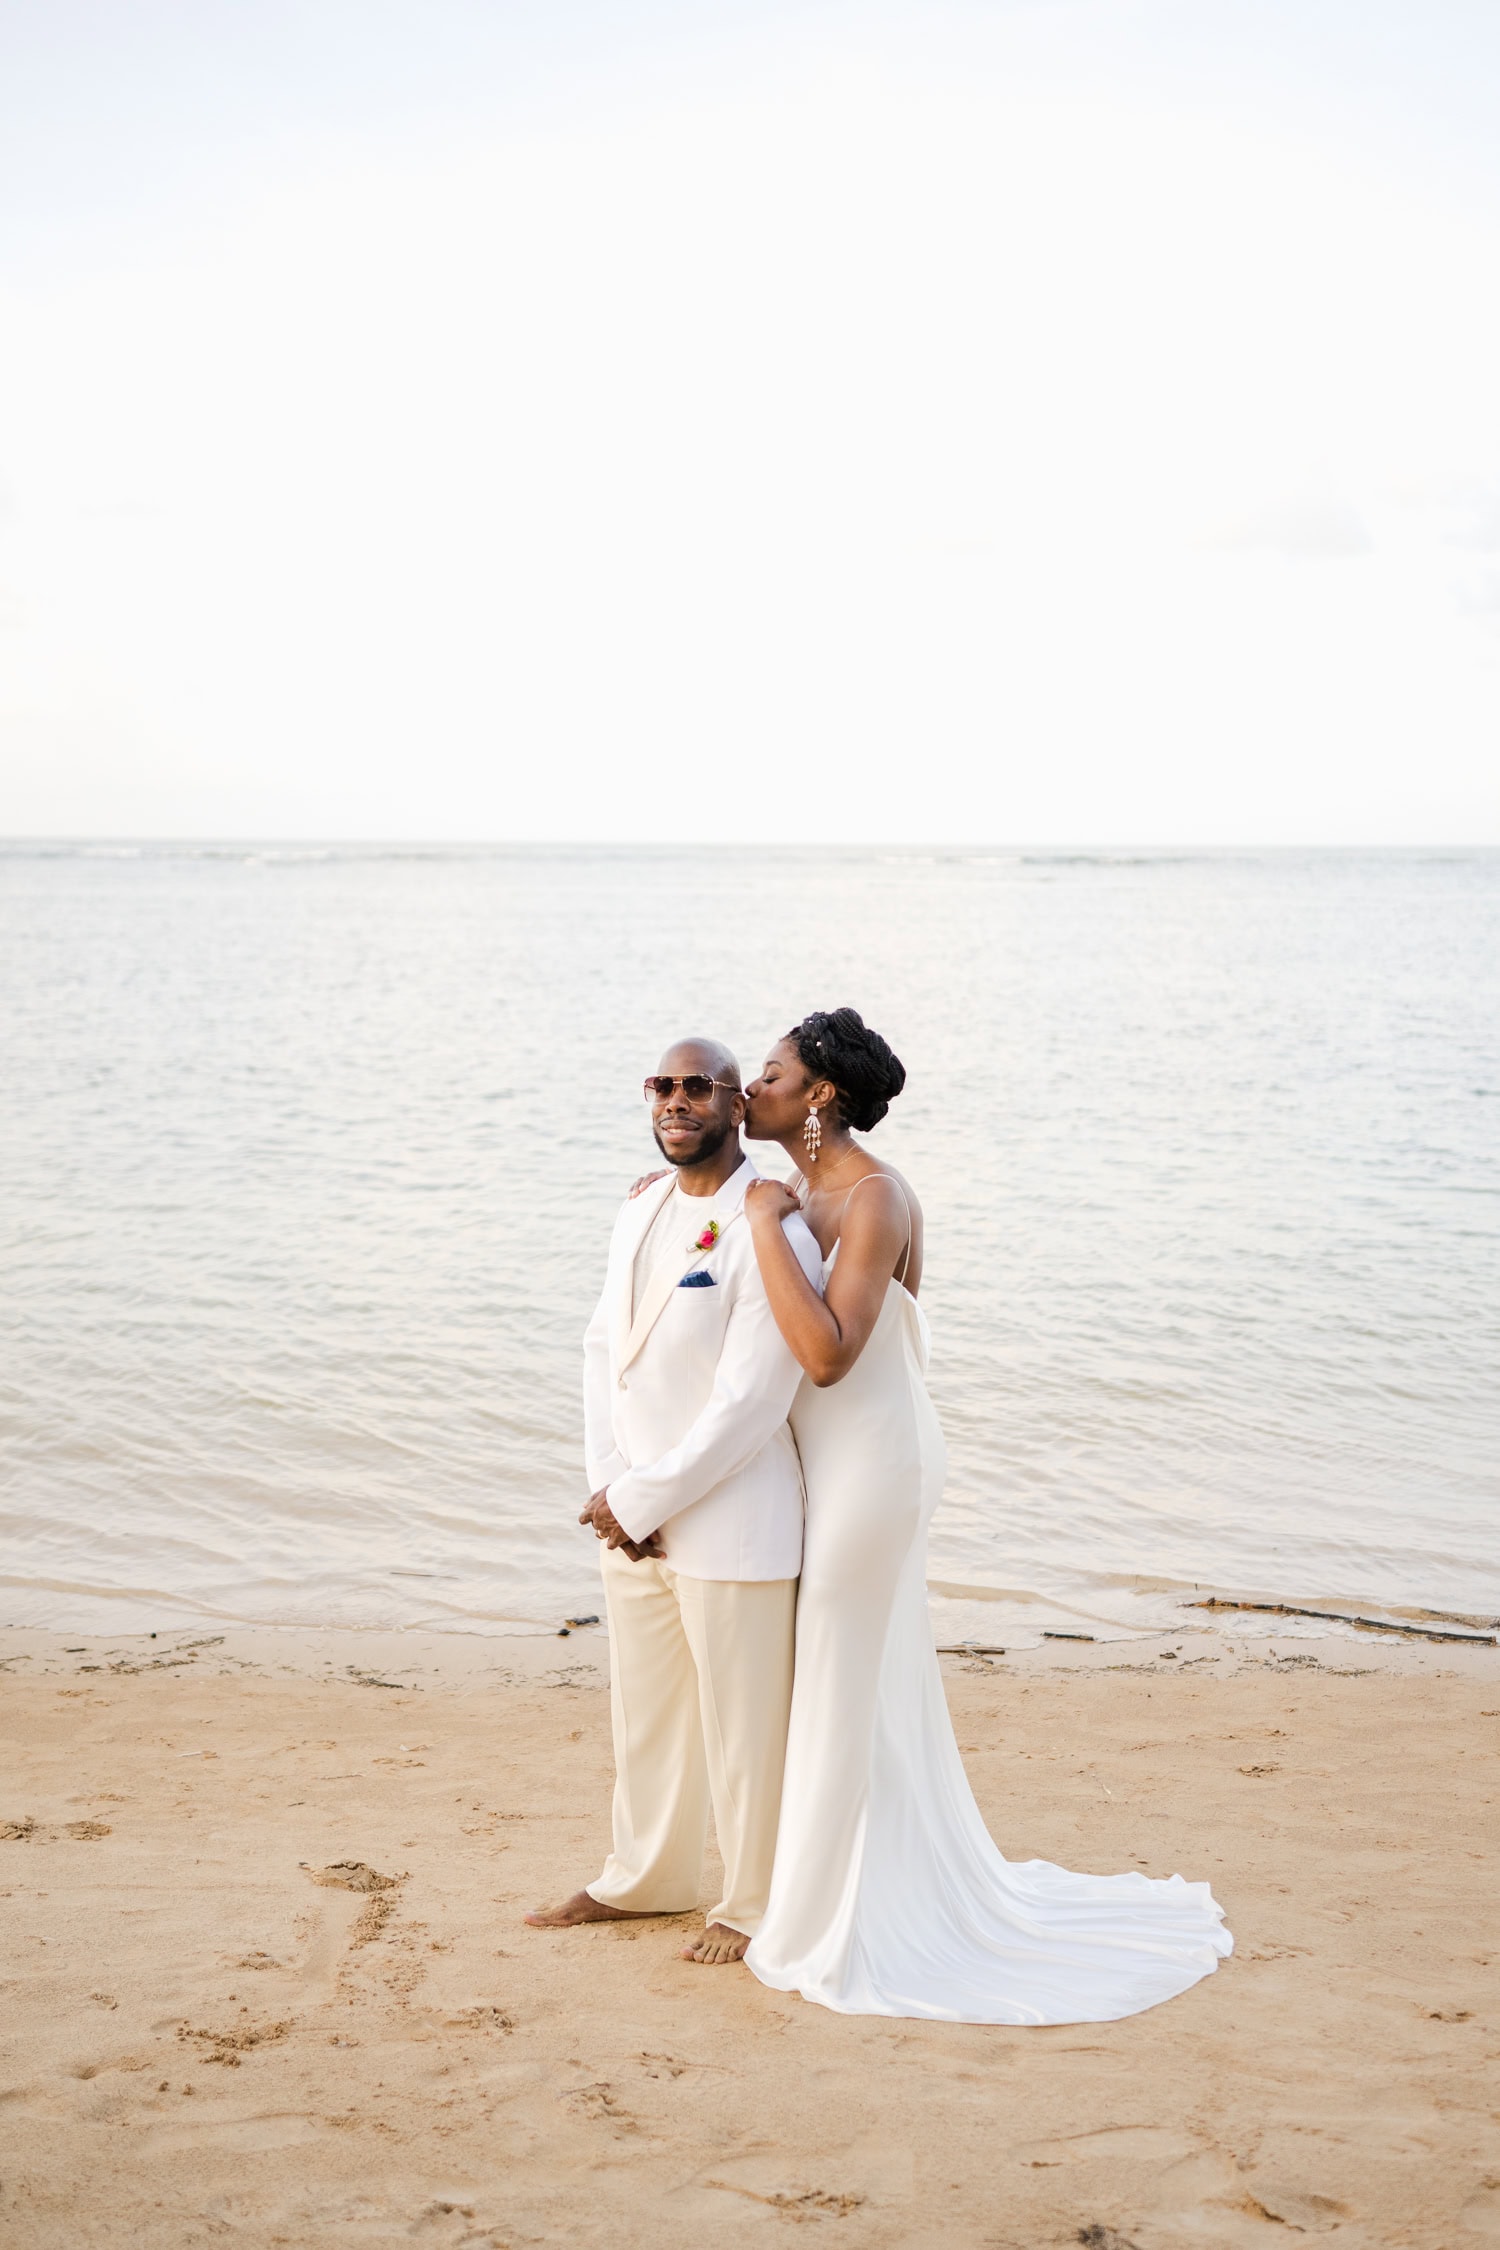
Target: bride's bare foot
x=581 y=1908
x=718 y=1944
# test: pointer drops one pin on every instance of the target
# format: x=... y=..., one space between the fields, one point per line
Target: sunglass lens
x=696 y=1088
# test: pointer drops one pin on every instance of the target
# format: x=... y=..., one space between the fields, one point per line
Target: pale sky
x=1072 y=421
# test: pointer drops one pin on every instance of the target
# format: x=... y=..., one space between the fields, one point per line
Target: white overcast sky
x=1036 y=420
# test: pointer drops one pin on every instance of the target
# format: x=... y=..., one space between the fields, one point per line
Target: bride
x=888 y=1896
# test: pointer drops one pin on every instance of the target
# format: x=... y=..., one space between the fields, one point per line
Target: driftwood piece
x=1340 y=1617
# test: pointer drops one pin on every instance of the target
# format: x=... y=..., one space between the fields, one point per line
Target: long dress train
x=889 y=1897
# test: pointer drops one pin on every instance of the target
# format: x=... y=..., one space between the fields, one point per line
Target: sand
x=202 y=2042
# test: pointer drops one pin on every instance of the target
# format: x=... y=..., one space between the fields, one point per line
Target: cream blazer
x=685 y=1406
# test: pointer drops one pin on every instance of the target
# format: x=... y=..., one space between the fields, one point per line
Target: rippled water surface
x=310 y=1158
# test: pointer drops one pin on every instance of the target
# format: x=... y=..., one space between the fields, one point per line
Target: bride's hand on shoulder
x=646 y=1180
x=771 y=1201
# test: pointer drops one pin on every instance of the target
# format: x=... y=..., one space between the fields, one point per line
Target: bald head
x=710 y=1056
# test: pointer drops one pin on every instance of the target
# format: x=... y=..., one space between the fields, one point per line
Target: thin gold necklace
x=853 y=1149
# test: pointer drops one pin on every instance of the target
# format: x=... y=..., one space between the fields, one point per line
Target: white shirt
x=668 y=1235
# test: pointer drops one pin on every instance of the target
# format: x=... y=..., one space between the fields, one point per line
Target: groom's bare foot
x=718 y=1944
x=582 y=1908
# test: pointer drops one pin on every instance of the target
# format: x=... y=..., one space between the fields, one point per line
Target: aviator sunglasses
x=696 y=1087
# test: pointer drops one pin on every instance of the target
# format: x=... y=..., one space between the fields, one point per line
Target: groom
x=697 y=1497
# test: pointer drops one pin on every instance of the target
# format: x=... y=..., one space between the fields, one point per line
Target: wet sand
x=203 y=2042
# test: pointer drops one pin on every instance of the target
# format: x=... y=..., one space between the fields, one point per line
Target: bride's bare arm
x=827 y=1334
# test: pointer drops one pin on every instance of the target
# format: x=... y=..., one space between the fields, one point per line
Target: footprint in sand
x=255 y=2135
x=443 y=2223
x=334 y=1935
x=809 y=2203
x=351 y=1875
x=1156 y=2142
x=1211 y=2195
x=228 y=2047
x=600 y=2104
x=1481 y=2214
x=26 y=1831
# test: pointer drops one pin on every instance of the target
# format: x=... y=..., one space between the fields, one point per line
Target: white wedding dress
x=888 y=1897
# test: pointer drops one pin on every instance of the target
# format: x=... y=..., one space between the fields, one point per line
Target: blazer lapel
x=650 y=1200
x=726 y=1207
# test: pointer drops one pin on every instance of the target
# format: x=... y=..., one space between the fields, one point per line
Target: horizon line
x=201 y=840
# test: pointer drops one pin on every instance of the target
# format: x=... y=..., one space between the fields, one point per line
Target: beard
x=708 y=1147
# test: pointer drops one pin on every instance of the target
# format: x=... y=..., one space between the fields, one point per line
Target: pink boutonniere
x=708 y=1237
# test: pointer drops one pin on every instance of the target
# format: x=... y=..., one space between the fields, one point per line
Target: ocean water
x=308 y=1159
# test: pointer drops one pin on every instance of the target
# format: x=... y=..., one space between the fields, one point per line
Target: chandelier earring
x=812 y=1135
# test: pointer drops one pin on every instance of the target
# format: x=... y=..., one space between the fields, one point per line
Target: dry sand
x=203 y=2044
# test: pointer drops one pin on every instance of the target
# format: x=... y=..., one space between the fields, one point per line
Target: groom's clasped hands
x=600 y=1517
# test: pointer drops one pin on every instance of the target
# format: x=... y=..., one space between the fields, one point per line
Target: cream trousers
x=700 y=1697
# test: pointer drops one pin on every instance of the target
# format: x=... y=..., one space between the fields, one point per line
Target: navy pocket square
x=697 y=1279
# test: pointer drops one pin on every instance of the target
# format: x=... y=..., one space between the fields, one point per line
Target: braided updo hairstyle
x=840 y=1046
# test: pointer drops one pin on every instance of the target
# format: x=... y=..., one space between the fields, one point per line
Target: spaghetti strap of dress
x=895 y=1183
